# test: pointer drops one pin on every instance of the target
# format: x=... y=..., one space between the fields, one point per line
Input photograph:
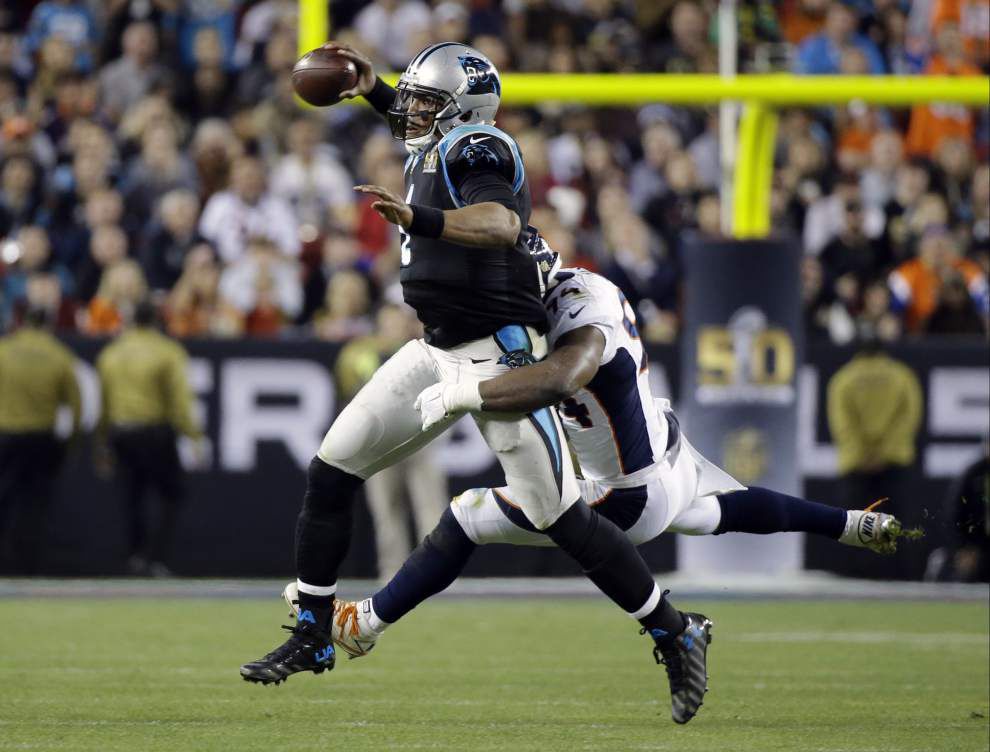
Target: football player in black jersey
x=467 y=271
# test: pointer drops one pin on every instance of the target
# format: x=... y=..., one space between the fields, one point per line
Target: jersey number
x=406 y=255
x=576 y=411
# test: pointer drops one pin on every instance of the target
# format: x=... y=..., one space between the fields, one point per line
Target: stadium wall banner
x=741 y=343
x=265 y=406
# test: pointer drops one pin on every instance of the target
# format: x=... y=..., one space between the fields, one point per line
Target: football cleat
x=347 y=629
x=685 y=658
x=307 y=649
x=874 y=530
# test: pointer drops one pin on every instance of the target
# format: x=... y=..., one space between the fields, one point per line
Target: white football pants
x=380 y=426
x=681 y=498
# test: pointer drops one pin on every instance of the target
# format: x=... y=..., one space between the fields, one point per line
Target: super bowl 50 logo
x=746 y=361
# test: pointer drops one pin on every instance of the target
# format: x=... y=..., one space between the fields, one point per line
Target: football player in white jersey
x=639 y=470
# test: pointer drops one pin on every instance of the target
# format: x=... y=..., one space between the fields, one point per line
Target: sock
x=607 y=556
x=659 y=618
x=431 y=568
x=323 y=535
x=762 y=511
x=315 y=604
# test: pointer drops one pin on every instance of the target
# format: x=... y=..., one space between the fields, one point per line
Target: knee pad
x=352 y=438
x=329 y=490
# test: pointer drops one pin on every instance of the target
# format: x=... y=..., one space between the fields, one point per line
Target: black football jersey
x=462 y=293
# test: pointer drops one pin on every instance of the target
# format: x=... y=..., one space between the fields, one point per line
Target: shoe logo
x=474 y=140
x=481 y=360
x=658 y=633
x=575 y=313
x=322 y=656
x=689 y=642
x=307 y=615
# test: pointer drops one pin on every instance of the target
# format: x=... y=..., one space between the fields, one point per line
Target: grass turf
x=493 y=675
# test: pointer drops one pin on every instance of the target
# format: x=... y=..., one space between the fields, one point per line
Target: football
x=320 y=75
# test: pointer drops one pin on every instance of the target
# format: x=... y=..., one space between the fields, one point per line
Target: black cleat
x=685 y=659
x=307 y=649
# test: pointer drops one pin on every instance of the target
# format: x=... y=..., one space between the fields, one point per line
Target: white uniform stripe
x=316 y=589
x=651 y=603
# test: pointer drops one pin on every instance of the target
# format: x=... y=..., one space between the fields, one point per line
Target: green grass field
x=142 y=675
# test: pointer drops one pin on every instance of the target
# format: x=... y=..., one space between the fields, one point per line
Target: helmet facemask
x=419 y=114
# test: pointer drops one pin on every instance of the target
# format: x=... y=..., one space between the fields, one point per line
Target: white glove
x=444 y=399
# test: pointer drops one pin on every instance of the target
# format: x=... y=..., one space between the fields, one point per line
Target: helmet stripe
x=421 y=58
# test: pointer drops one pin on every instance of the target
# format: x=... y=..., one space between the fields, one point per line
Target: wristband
x=426 y=222
x=462 y=397
x=381 y=96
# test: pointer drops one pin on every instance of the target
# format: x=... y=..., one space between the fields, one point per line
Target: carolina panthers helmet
x=547 y=259
x=445 y=85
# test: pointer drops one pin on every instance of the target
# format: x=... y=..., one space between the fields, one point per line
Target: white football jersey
x=612 y=423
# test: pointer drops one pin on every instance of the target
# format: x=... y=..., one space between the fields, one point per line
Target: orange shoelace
x=348 y=612
x=876 y=503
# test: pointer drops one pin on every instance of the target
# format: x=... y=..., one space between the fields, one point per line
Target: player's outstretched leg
x=763 y=511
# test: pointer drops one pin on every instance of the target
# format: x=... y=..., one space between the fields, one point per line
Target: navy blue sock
x=762 y=511
x=433 y=566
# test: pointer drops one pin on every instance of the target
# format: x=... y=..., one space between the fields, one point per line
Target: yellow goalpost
x=760 y=95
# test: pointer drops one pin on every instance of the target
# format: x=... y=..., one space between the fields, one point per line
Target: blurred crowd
x=154 y=149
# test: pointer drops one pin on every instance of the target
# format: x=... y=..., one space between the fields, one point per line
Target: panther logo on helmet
x=480 y=78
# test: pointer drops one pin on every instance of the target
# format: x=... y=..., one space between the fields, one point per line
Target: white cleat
x=873 y=530
x=349 y=627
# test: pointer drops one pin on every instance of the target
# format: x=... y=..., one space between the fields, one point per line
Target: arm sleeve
x=381 y=97
x=479 y=187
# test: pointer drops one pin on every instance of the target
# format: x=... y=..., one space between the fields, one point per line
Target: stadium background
x=130 y=128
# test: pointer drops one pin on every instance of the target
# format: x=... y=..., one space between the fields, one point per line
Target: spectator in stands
x=214 y=149
x=194 y=307
x=19 y=194
x=169 y=238
x=637 y=266
x=31 y=255
x=107 y=246
x=875 y=319
x=264 y=287
x=822 y=53
x=44 y=291
x=345 y=313
x=258 y=81
x=967 y=557
x=161 y=167
x=915 y=284
x=826 y=217
x=311 y=178
x=931 y=123
x=955 y=312
x=122 y=287
x=689 y=50
x=126 y=80
x=874 y=405
x=660 y=141
x=68 y=20
x=878 y=180
x=247 y=210
x=210 y=90
x=388 y=27
x=851 y=252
